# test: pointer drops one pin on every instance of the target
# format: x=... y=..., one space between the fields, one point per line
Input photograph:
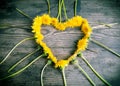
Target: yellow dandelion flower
x=48 y=51
x=82 y=44
x=54 y=21
x=36 y=25
x=69 y=23
x=37 y=19
x=46 y=19
x=86 y=27
x=77 y=21
x=52 y=58
x=61 y=63
x=39 y=36
x=36 y=28
x=74 y=22
x=38 y=41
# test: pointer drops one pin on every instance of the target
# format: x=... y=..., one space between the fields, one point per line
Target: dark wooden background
x=62 y=43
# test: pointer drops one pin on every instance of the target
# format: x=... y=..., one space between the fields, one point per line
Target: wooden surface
x=62 y=44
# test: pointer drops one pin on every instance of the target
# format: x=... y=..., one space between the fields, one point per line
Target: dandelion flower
x=61 y=63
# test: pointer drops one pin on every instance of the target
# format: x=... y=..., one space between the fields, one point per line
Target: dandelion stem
x=58 y=10
x=20 y=11
x=75 y=12
x=82 y=70
x=59 y=16
x=61 y=3
x=48 y=63
x=96 y=73
x=64 y=8
x=105 y=24
x=64 y=78
x=48 y=2
x=14 y=48
x=102 y=45
x=10 y=69
x=21 y=70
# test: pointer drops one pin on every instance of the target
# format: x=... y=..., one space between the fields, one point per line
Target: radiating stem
x=64 y=8
x=48 y=63
x=96 y=73
x=15 y=47
x=64 y=78
x=58 y=9
x=10 y=69
x=104 y=24
x=21 y=70
x=61 y=3
x=75 y=12
x=59 y=16
x=102 y=45
x=23 y=13
x=48 y=2
x=82 y=70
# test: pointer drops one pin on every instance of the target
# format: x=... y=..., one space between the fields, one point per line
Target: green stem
x=48 y=2
x=107 y=25
x=8 y=25
x=48 y=63
x=59 y=10
x=82 y=70
x=64 y=8
x=75 y=12
x=64 y=79
x=102 y=26
x=14 y=48
x=21 y=70
x=102 y=45
x=96 y=73
x=10 y=69
x=23 y=13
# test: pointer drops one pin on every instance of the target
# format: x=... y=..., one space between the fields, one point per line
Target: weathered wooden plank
x=62 y=44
